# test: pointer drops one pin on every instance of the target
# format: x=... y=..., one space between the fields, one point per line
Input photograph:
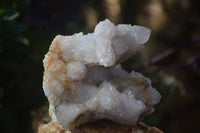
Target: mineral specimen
x=83 y=80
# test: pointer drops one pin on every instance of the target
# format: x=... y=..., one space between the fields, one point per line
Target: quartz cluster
x=83 y=80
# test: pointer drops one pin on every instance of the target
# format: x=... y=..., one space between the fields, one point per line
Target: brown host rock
x=102 y=126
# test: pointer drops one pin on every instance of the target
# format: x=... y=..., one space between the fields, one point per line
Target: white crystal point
x=141 y=34
x=83 y=80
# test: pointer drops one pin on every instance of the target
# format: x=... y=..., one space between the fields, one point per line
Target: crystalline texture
x=83 y=80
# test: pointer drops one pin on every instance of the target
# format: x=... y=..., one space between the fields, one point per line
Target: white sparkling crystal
x=75 y=70
x=83 y=80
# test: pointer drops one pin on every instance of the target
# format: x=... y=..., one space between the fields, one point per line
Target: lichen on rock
x=83 y=80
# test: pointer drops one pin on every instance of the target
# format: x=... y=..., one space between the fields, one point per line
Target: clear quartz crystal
x=83 y=80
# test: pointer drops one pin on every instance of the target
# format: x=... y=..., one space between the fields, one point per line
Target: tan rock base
x=101 y=126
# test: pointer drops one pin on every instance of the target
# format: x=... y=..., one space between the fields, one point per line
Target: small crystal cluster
x=83 y=80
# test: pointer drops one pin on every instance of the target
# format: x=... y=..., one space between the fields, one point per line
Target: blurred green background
x=171 y=58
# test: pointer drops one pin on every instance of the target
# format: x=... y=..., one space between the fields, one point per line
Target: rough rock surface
x=83 y=80
x=98 y=127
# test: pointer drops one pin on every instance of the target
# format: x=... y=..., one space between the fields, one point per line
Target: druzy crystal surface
x=83 y=80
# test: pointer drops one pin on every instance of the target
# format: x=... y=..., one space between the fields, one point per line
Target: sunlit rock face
x=83 y=80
